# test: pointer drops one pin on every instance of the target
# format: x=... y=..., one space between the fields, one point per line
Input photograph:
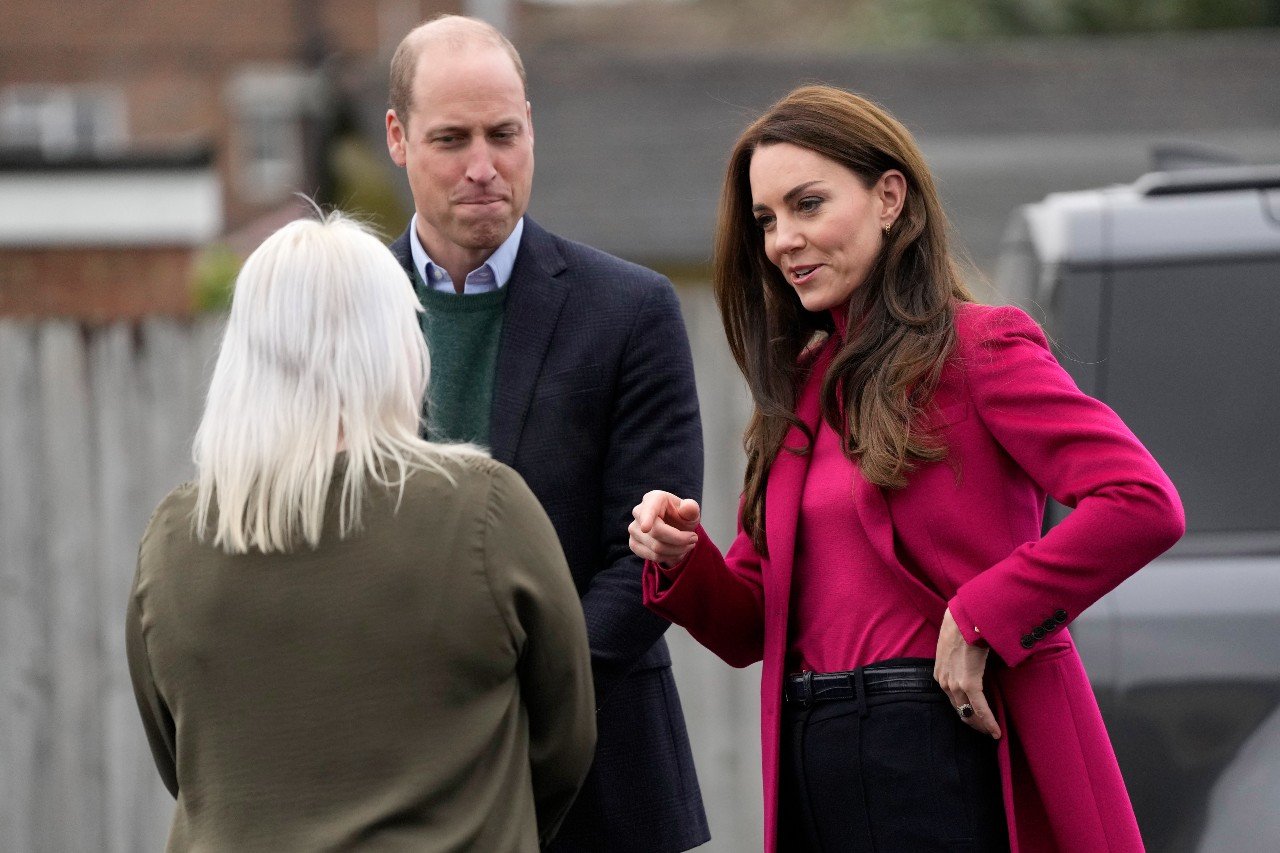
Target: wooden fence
x=95 y=427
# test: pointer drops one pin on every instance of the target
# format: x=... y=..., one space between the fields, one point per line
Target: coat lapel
x=784 y=490
x=534 y=301
x=782 y=511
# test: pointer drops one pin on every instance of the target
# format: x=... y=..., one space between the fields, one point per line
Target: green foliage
x=978 y=18
x=363 y=185
x=214 y=278
x=787 y=26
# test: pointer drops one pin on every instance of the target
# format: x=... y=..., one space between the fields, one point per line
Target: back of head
x=322 y=352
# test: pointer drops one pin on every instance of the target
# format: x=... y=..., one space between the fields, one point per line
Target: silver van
x=1162 y=299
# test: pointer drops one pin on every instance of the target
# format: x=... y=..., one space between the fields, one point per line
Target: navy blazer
x=594 y=404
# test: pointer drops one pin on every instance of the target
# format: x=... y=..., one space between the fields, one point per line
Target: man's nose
x=480 y=168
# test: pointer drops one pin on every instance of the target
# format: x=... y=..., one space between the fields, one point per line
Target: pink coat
x=965 y=534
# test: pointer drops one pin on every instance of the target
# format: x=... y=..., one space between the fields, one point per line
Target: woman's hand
x=663 y=527
x=958 y=668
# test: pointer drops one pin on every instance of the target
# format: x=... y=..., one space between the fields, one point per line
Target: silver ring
x=965 y=711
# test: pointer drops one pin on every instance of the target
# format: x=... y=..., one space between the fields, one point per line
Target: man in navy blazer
x=573 y=367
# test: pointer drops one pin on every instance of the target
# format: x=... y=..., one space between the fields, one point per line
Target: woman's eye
x=809 y=204
x=764 y=222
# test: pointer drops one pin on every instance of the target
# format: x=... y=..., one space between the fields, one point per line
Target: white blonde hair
x=322 y=352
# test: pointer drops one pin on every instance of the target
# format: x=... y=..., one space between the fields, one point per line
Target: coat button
x=1028 y=641
x=1049 y=624
x=1059 y=616
x=1037 y=632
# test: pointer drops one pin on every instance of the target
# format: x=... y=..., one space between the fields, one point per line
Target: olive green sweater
x=423 y=685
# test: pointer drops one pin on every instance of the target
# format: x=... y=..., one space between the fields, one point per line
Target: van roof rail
x=1212 y=180
x=1173 y=156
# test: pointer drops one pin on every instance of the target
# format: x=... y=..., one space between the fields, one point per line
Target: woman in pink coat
x=920 y=690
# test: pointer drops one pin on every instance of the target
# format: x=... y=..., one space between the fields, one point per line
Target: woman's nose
x=787 y=238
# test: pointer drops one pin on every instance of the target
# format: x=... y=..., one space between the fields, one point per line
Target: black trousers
x=895 y=773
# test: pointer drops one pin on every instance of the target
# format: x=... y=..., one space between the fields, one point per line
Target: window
x=269 y=107
x=62 y=121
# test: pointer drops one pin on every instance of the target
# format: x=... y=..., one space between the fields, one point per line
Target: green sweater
x=462 y=336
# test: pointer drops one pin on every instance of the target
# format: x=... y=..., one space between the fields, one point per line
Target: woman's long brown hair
x=901 y=319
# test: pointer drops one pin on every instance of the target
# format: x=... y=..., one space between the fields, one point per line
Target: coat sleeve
x=1125 y=509
x=655 y=442
x=156 y=719
x=718 y=599
x=535 y=591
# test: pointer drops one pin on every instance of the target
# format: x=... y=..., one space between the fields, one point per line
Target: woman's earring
x=887 y=226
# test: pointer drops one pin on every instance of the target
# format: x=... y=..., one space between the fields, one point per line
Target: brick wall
x=97 y=285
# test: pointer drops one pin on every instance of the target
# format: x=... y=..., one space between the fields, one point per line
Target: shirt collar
x=500 y=263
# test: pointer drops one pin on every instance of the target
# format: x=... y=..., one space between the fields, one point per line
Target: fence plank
x=137 y=807
x=77 y=778
x=116 y=403
x=25 y=690
x=173 y=397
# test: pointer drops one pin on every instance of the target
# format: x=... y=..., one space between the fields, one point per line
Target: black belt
x=807 y=687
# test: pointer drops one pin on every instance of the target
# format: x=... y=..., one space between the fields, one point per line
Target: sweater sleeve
x=1126 y=510
x=535 y=591
x=156 y=719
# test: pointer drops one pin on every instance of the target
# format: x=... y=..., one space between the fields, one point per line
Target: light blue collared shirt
x=494 y=273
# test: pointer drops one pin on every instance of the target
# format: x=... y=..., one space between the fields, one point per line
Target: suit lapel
x=403 y=254
x=534 y=301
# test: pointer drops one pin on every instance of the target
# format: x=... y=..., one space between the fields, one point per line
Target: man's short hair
x=453 y=30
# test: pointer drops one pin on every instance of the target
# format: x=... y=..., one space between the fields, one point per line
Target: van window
x=1192 y=364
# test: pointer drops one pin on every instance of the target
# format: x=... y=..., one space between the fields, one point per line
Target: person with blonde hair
x=920 y=690
x=341 y=635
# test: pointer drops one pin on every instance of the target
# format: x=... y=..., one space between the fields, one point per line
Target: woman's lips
x=803 y=274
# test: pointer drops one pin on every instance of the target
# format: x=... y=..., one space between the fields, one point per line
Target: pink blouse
x=847 y=610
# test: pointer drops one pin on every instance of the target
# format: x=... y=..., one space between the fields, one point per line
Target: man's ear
x=528 y=119
x=397 y=138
